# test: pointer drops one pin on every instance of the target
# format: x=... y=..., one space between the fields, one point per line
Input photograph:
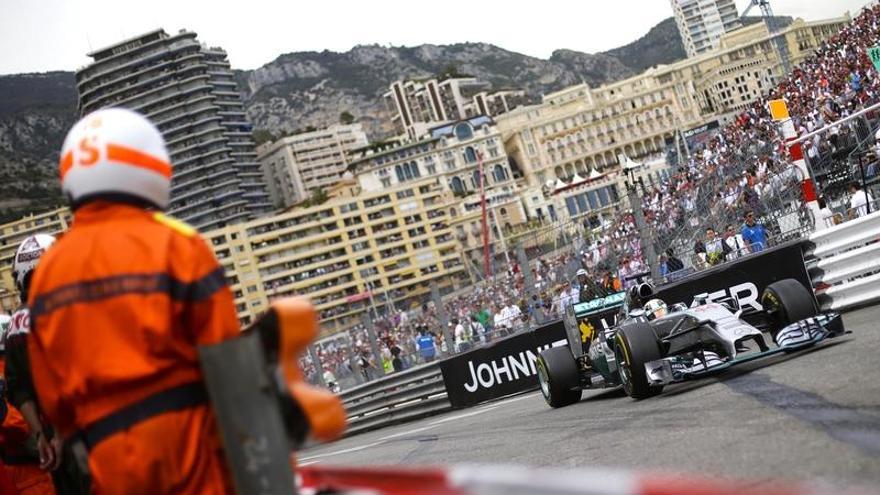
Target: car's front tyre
x=787 y=301
x=559 y=377
x=636 y=344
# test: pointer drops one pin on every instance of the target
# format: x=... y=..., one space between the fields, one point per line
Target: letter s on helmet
x=117 y=154
x=27 y=256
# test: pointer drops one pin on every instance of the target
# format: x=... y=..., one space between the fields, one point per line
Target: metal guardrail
x=844 y=263
x=396 y=398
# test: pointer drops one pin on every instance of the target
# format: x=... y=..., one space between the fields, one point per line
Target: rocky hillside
x=35 y=112
x=303 y=89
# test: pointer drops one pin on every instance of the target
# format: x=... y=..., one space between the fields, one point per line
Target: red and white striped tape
x=493 y=480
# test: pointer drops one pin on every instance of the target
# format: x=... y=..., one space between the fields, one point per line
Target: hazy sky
x=42 y=35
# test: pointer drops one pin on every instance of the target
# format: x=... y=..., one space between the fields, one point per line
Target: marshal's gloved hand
x=286 y=330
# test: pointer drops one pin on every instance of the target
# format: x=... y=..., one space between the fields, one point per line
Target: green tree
x=262 y=136
x=318 y=197
x=451 y=71
x=346 y=118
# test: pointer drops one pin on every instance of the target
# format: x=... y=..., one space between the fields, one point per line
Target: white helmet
x=118 y=153
x=27 y=256
x=655 y=308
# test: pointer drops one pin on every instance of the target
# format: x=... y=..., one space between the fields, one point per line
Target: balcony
x=203 y=187
x=203 y=154
x=170 y=133
x=193 y=109
x=183 y=140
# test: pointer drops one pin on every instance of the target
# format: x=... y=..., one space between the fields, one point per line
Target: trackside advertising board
x=743 y=279
x=502 y=368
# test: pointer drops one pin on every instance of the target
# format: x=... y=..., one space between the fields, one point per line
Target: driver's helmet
x=655 y=308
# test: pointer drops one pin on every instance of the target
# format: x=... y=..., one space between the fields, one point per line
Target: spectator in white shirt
x=513 y=314
x=462 y=339
x=734 y=241
x=861 y=202
x=500 y=321
x=826 y=216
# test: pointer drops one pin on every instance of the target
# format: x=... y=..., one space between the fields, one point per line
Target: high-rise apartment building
x=702 y=22
x=295 y=166
x=187 y=89
x=417 y=106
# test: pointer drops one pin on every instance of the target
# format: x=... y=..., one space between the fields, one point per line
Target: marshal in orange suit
x=119 y=306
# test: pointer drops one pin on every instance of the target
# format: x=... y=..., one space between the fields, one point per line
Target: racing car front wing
x=794 y=337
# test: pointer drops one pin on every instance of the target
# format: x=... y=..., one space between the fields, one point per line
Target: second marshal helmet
x=115 y=153
x=27 y=255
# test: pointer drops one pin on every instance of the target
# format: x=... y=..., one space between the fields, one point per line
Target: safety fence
x=844 y=154
x=844 y=263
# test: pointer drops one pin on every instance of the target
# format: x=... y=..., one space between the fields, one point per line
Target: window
x=432 y=169
x=572 y=208
x=593 y=199
x=475 y=179
x=582 y=203
x=457 y=185
x=603 y=197
x=463 y=131
x=500 y=173
x=386 y=182
x=470 y=156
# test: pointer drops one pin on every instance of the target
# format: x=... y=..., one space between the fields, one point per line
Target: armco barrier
x=399 y=397
x=844 y=263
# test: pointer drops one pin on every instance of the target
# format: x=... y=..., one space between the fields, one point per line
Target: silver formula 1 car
x=653 y=346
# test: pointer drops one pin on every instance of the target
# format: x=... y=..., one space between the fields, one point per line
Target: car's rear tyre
x=559 y=377
x=636 y=344
x=787 y=301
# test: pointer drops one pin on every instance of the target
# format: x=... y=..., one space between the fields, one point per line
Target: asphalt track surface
x=815 y=414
